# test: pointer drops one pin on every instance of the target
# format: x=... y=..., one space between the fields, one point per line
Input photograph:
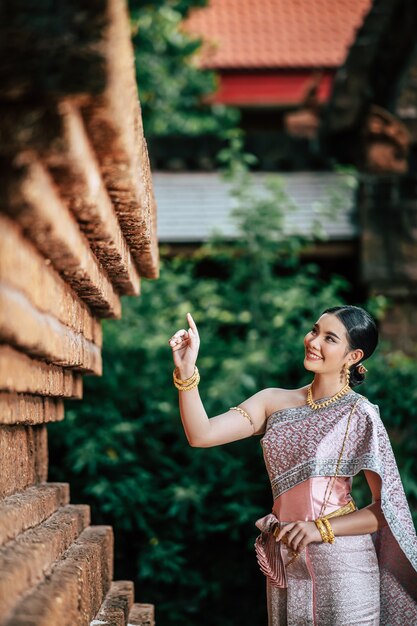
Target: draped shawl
x=300 y=443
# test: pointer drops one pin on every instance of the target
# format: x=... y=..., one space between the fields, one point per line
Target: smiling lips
x=313 y=357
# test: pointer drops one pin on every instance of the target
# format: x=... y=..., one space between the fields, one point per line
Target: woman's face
x=327 y=347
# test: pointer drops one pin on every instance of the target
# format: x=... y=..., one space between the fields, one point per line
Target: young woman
x=326 y=562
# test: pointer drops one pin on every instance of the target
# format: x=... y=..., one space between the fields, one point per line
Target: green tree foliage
x=184 y=517
x=173 y=90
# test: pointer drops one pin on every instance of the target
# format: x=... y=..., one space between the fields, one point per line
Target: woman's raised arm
x=202 y=431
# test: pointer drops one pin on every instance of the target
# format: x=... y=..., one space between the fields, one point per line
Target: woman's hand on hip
x=185 y=345
x=297 y=535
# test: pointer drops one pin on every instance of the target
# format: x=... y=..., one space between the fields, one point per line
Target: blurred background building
x=317 y=85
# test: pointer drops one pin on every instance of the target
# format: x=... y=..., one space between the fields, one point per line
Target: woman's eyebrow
x=329 y=332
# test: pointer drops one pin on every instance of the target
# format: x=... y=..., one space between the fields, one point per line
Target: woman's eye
x=331 y=338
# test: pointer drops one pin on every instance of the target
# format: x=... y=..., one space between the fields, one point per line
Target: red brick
x=22 y=374
x=30 y=197
x=26 y=561
x=115 y=128
x=20 y=408
x=75 y=589
x=24 y=457
x=30 y=508
x=23 y=267
x=76 y=172
x=116 y=606
x=42 y=335
x=142 y=615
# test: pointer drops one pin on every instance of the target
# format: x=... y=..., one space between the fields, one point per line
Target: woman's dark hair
x=361 y=331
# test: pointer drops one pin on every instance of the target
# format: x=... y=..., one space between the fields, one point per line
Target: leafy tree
x=173 y=89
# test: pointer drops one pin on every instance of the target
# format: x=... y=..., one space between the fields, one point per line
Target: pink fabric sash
x=268 y=551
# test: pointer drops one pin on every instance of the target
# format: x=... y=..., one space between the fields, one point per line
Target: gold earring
x=347 y=373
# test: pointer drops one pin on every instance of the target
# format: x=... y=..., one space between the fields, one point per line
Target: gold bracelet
x=187 y=386
x=243 y=412
x=188 y=383
x=322 y=529
x=185 y=380
x=330 y=533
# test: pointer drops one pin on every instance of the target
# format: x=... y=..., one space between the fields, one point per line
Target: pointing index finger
x=192 y=323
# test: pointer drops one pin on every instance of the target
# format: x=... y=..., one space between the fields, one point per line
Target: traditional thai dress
x=368 y=579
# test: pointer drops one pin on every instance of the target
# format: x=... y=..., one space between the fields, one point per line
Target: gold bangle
x=243 y=412
x=322 y=529
x=188 y=383
x=329 y=529
x=185 y=387
x=184 y=381
x=188 y=388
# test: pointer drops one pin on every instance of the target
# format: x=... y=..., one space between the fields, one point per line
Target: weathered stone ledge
x=115 y=127
x=75 y=170
x=142 y=615
x=43 y=336
x=116 y=606
x=20 y=408
x=74 y=590
x=22 y=374
x=30 y=508
x=30 y=197
x=24 y=457
x=25 y=562
x=23 y=267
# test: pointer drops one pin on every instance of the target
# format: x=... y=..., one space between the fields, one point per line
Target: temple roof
x=277 y=33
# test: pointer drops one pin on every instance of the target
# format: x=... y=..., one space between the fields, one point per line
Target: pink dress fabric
x=304 y=501
x=318 y=580
x=360 y=580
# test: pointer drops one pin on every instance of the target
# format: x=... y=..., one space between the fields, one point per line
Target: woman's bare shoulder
x=277 y=398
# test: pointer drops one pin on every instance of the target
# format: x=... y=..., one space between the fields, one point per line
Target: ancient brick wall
x=77 y=231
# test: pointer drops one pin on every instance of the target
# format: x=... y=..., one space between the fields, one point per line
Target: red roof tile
x=277 y=33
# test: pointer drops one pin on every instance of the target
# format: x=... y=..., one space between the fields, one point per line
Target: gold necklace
x=320 y=405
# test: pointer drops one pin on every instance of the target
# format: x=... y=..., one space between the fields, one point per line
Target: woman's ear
x=356 y=355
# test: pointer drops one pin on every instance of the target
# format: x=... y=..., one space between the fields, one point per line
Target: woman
x=326 y=562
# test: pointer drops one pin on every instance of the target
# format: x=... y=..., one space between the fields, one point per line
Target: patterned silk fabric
x=337 y=584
